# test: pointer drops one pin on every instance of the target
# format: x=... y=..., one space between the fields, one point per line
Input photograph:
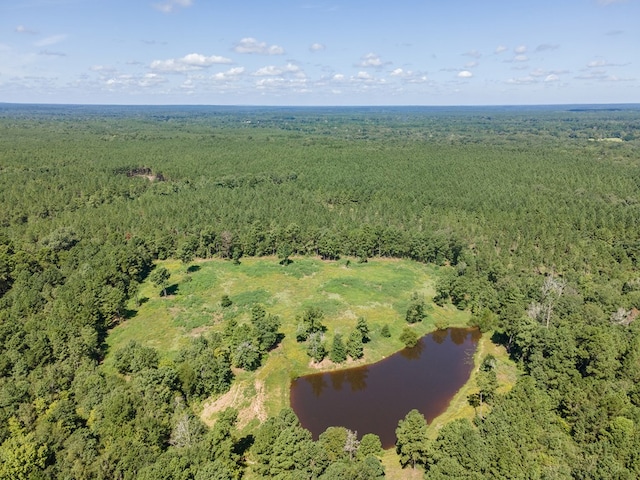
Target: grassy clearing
x=379 y=290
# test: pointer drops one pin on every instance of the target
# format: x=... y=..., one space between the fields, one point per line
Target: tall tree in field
x=160 y=278
x=363 y=327
x=411 y=443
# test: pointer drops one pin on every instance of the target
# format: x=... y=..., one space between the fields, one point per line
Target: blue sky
x=317 y=52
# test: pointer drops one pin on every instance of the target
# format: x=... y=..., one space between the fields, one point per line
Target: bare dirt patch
x=249 y=400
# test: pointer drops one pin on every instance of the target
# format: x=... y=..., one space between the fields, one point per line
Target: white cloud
x=273 y=71
x=472 y=54
x=469 y=65
x=128 y=81
x=48 y=41
x=501 y=49
x=363 y=76
x=169 y=5
x=192 y=61
x=338 y=77
x=23 y=29
x=522 y=81
x=603 y=63
x=251 y=45
x=408 y=76
x=465 y=74
x=601 y=75
x=520 y=58
x=520 y=49
x=231 y=73
x=102 y=68
x=552 y=78
x=539 y=73
x=370 y=60
x=317 y=47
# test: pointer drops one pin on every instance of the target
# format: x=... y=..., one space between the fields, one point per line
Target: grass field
x=379 y=290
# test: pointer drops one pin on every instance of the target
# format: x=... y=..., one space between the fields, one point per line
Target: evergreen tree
x=338 y=349
x=363 y=327
x=355 y=349
x=385 y=332
x=411 y=443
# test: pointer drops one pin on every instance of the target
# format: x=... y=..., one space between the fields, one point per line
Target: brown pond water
x=373 y=398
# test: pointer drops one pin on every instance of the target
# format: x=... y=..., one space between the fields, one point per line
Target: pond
x=373 y=398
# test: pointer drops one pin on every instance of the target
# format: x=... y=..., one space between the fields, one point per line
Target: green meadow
x=379 y=290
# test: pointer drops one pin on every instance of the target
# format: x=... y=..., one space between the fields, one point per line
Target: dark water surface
x=372 y=398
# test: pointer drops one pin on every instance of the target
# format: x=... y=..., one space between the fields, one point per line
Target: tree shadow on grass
x=172 y=289
x=193 y=268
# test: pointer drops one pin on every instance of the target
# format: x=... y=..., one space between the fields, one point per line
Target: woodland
x=530 y=214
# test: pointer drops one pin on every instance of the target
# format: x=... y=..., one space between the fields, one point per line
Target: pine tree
x=411 y=443
x=355 y=348
x=338 y=349
x=363 y=328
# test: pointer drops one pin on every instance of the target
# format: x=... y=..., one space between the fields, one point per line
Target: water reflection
x=357 y=378
x=440 y=336
x=318 y=383
x=415 y=352
x=373 y=398
x=337 y=379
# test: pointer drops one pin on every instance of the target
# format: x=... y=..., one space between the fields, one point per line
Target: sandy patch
x=249 y=406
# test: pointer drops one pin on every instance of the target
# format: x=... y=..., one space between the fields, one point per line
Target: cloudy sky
x=318 y=52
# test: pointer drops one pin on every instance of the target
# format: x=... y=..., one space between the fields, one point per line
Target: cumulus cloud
x=231 y=73
x=501 y=49
x=520 y=49
x=192 y=61
x=317 y=47
x=273 y=71
x=169 y=6
x=472 y=64
x=251 y=45
x=465 y=74
x=551 y=78
x=370 y=60
x=364 y=76
x=408 y=76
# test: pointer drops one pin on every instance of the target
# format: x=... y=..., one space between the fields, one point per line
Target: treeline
x=534 y=226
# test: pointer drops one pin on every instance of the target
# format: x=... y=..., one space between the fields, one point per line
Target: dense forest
x=532 y=213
